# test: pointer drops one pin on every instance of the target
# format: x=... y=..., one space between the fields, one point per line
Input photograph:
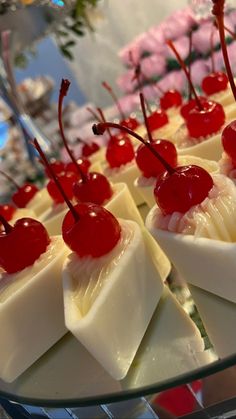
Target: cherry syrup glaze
x=128 y=122
x=119 y=150
x=88 y=229
x=23 y=194
x=229 y=133
x=216 y=81
x=207 y=117
x=21 y=244
x=146 y=161
x=177 y=189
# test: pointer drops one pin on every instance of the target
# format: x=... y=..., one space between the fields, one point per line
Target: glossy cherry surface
x=96 y=189
x=148 y=163
x=89 y=149
x=57 y=166
x=157 y=120
x=7 y=211
x=95 y=233
x=22 y=244
x=171 y=99
x=229 y=140
x=129 y=122
x=180 y=190
x=67 y=181
x=119 y=151
x=214 y=83
x=24 y=194
x=83 y=164
x=205 y=122
x=191 y=104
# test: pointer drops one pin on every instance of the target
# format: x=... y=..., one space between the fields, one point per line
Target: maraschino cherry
x=67 y=180
x=216 y=81
x=119 y=150
x=171 y=99
x=129 y=122
x=23 y=194
x=57 y=166
x=7 y=211
x=88 y=229
x=177 y=189
x=146 y=161
x=83 y=163
x=207 y=117
x=21 y=244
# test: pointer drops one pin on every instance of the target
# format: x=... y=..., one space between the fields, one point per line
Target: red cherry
x=181 y=189
x=228 y=139
x=191 y=104
x=214 y=83
x=24 y=194
x=7 y=211
x=171 y=98
x=157 y=120
x=149 y=164
x=21 y=245
x=96 y=189
x=57 y=166
x=119 y=151
x=205 y=122
x=95 y=233
x=89 y=149
x=67 y=181
x=83 y=164
x=130 y=123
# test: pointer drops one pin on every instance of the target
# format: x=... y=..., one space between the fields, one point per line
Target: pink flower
x=182 y=46
x=150 y=92
x=126 y=82
x=199 y=69
x=155 y=65
x=129 y=103
x=173 y=80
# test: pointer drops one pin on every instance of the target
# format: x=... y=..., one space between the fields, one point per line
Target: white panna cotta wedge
x=171 y=346
x=40 y=202
x=109 y=301
x=201 y=245
x=31 y=311
x=146 y=186
x=125 y=174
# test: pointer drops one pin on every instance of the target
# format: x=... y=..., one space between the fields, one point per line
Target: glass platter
x=67 y=375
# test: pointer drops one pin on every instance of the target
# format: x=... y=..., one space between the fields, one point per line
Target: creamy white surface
x=11 y=283
x=226 y=167
x=90 y=274
x=214 y=218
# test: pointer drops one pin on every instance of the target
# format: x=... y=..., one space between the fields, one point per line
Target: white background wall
x=96 y=54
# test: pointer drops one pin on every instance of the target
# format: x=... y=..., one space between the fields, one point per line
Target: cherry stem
x=137 y=75
x=7 y=227
x=189 y=63
x=218 y=11
x=65 y=84
x=103 y=119
x=230 y=32
x=98 y=129
x=93 y=113
x=142 y=101
x=181 y=62
x=115 y=98
x=56 y=180
x=212 y=50
x=10 y=179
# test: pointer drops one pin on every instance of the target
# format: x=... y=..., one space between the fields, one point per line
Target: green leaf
x=67 y=53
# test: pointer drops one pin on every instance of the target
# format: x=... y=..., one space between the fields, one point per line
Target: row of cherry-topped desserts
x=105 y=280
x=195 y=225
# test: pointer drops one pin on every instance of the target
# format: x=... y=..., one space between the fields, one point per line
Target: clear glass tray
x=67 y=375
